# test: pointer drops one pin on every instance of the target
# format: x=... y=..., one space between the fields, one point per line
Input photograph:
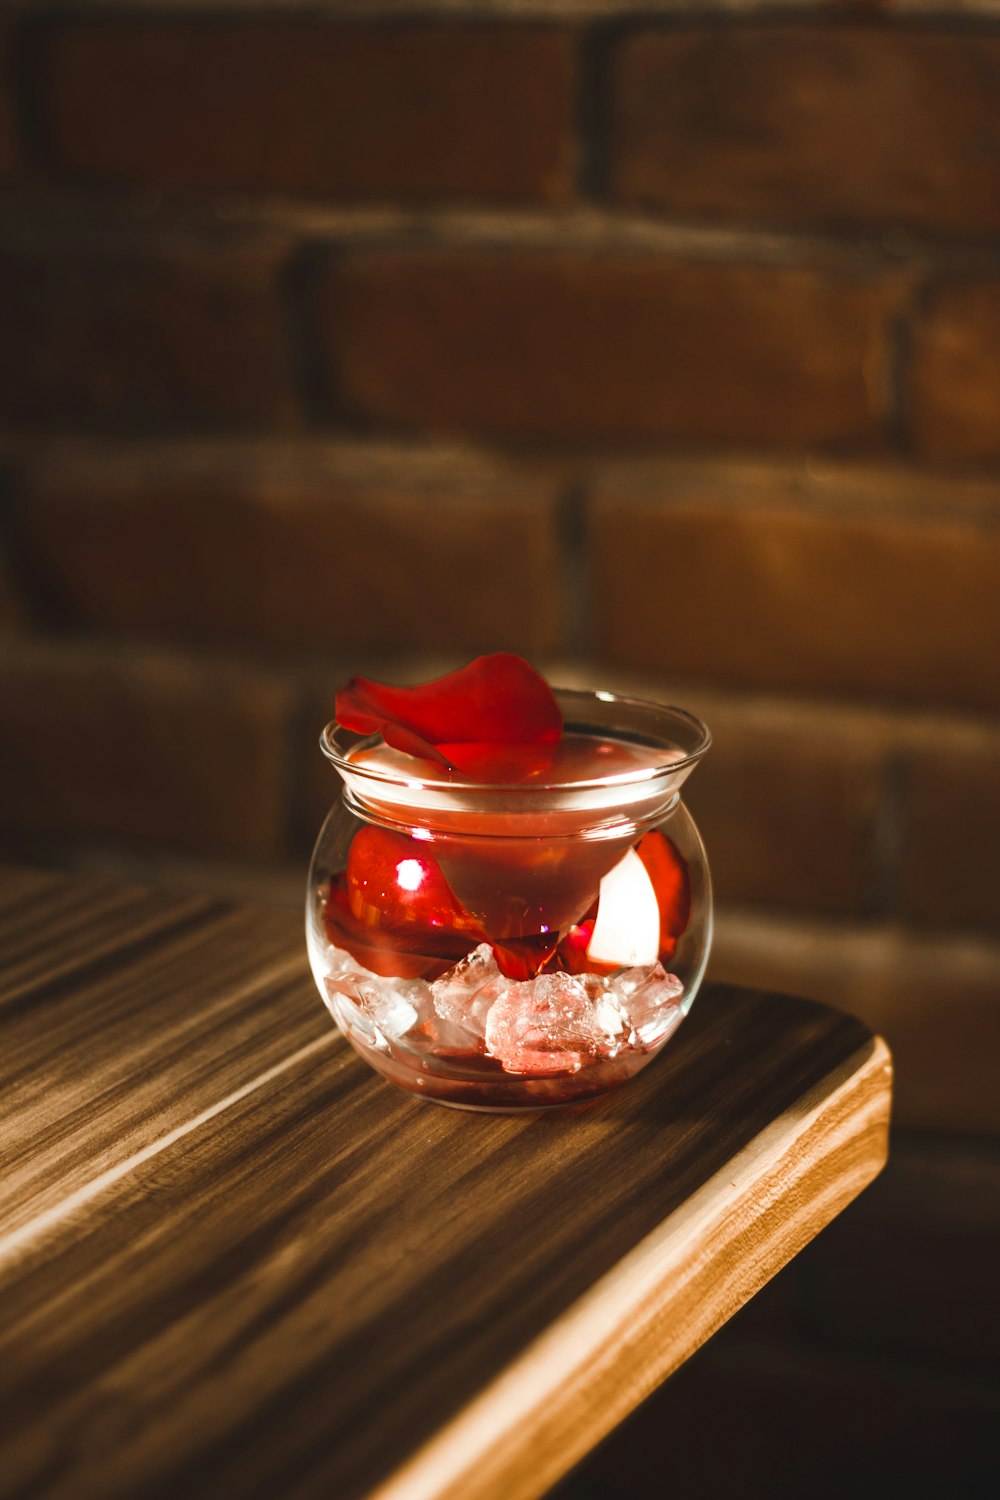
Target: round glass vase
x=515 y=946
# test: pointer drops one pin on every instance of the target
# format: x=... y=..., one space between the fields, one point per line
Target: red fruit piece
x=395 y=884
x=391 y=909
x=467 y=720
x=372 y=949
x=668 y=871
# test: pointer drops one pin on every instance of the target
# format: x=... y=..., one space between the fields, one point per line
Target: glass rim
x=333 y=735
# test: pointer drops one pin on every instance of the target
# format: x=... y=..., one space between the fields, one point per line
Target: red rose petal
x=668 y=871
x=491 y=762
x=497 y=700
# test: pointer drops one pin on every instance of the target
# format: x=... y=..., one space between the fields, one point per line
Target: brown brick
x=787 y=804
x=810 y=125
x=359 y=111
x=935 y=1000
x=774 y=597
x=955 y=379
x=950 y=857
x=298 y=552
x=131 y=341
x=8 y=135
x=141 y=747
x=598 y=347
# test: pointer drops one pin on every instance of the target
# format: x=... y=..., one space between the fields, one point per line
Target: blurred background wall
x=659 y=342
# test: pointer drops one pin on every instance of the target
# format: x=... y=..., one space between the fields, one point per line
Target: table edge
x=612 y=1347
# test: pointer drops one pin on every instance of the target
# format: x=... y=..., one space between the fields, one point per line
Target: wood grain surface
x=235 y=1263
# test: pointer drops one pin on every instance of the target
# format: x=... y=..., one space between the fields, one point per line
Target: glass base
x=476 y=1082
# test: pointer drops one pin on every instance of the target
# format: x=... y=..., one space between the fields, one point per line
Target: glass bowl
x=520 y=945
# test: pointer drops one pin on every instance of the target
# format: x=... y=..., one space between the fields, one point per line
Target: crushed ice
x=554 y=1023
x=464 y=995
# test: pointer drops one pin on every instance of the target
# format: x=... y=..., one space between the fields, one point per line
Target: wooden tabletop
x=234 y=1263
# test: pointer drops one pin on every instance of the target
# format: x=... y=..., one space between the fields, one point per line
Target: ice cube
x=649 y=999
x=461 y=996
x=392 y=1006
x=544 y=1025
x=389 y=1008
x=612 y=1022
x=347 y=1013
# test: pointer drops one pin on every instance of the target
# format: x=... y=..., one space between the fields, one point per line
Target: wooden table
x=235 y=1263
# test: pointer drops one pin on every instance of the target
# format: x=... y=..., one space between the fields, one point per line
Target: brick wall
x=659 y=342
